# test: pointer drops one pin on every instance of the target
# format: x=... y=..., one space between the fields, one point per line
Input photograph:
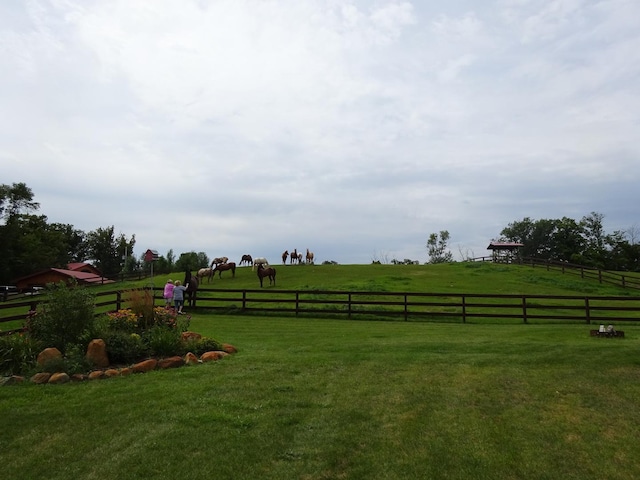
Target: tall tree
x=15 y=199
x=107 y=250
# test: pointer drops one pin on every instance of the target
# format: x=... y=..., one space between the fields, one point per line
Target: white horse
x=259 y=261
x=203 y=272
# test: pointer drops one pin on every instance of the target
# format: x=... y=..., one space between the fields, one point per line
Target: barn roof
x=58 y=274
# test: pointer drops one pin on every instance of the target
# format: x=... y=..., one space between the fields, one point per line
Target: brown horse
x=309 y=256
x=267 y=272
x=294 y=256
x=221 y=267
x=285 y=254
x=246 y=259
x=191 y=282
x=219 y=260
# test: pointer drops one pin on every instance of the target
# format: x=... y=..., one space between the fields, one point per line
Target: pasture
x=325 y=399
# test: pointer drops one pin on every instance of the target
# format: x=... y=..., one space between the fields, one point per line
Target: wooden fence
x=625 y=280
x=405 y=306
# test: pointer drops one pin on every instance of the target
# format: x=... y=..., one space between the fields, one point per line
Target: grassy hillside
x=462 y=277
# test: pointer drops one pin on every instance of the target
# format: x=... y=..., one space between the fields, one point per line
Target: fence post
x=349 y=306
x=587 y=310
x=297 y=302
x=118 y=300
x=244 y=299
x=464 y=309
x=524 y=309
x=406 y=308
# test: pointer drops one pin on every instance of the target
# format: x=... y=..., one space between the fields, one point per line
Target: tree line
x=29 y=243
x=582 y=242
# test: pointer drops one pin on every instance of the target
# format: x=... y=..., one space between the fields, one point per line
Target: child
x=178 y=296
x=168 y=292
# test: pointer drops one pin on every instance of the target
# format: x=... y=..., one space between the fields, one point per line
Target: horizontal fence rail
x=406 y=306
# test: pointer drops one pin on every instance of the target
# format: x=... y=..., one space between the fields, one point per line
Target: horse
x=191 y=282
x=299 y=258
x=309 y=256
x=246 y=259
x=285 y=254
x=219 y=260
x=267 y=272
x=221 y=267
x=203 y=272
x=294 y=256
x=259 y=261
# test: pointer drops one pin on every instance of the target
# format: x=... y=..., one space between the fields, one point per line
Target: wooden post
x=118 y=300
x=244 y=299
x=464 y=309
x=587 y=311
x=349 y=306
x=297 y=302
x=406 y=308
x=524 y=309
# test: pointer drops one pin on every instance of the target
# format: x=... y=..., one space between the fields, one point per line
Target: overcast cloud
x=352 y=128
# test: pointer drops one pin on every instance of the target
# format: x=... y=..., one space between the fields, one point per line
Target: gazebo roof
x=504 y=246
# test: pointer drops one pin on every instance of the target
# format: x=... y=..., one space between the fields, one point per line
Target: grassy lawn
x=327 y=399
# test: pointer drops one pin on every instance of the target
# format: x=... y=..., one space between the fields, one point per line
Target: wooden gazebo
x=504 y=252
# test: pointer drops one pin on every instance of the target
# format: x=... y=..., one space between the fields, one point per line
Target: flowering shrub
x=123 y=320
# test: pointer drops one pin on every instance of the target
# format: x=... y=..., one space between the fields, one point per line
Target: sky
x=354 y=129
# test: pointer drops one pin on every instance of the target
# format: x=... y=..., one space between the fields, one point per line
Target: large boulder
x=171 y=362
x=97 y=353
x=227 y=347
x=60 y=377
x=47 y=355
x=191 y=359
x=186 y=336
x=213 y=356
x=42 y=377
x=145 y=366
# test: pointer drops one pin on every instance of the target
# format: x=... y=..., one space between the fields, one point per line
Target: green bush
x=163 y=341
x=66 y=317
x=202 y=345
x=18 y=353
x=123 y=347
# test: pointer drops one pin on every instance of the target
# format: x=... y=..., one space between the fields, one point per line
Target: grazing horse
x=203 y=272
x=221 y=267
x=267 y=272
x=246 y=259
x=285 y=254
x=191 y=282
x=294 y=256
x=259 y=261
x=309 y=256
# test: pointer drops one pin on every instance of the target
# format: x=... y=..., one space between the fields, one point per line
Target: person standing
x=168 y=292
x=178 y=296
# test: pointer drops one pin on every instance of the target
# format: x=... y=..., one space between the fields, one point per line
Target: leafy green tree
x=191 y=261
x=107 y=250
x=16 y=198
x=438 y=249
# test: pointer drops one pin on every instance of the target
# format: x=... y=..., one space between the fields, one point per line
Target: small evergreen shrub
x=202 y=345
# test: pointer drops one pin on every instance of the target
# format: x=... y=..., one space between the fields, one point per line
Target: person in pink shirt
x=168 y=292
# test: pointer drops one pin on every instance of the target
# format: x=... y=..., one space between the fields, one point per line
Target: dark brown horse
x=285 y=254
x=294 y=256
x=267 y=272
x=246 y=259
x=191 y=282
x=223 y=267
